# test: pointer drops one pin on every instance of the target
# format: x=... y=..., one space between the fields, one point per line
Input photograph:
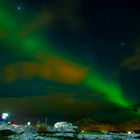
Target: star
x=91 y=58
x=87 y=55
x=122 y=44
x=18 y=8
x=98 y=42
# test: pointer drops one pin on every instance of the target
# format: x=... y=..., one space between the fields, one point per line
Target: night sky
x=70 y=59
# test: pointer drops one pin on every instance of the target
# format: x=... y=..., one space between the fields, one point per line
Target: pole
x=46 y=121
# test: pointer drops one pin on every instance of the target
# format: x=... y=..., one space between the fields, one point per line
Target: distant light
x=5 y=115
x=82 y=131
x=129 y=132
x=15 y=125
x=104 y=131
x=28 y=123
x=19 y=8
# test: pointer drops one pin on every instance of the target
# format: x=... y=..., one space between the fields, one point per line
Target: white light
x=28 y=123
x=5 y=115
x=129 y=132
x=82 y=131
x=19 y=8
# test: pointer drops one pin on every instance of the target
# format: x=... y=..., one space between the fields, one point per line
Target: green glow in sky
x=109 y=90
x=30 y=45
x=5 y=22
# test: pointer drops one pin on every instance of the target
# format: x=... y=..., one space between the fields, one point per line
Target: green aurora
x=30 y=44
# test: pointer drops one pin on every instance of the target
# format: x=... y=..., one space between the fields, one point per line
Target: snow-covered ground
x=108 y=137
x=25 y=132
x=31 y=136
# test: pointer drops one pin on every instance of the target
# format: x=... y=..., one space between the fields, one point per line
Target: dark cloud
x=133 y=62
x=135 y=107
x=53 y=68
x=57 y=104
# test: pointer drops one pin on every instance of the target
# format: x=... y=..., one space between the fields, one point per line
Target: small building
x=65 y=126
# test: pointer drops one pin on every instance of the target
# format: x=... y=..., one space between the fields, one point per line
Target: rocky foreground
x=26 y=132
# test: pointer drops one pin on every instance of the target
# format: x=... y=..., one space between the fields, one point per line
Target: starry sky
x=70 y=59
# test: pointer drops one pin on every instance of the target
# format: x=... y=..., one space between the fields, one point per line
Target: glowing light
x=130 y=132
x=5 y=115
x=28 y=123
x=19 y=8
x=109 y=90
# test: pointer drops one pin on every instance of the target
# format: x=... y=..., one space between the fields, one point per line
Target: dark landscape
x=84 y=129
